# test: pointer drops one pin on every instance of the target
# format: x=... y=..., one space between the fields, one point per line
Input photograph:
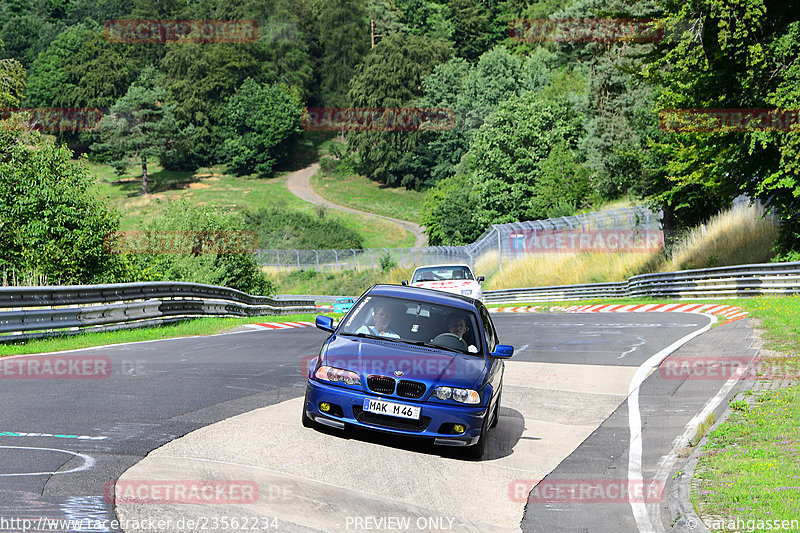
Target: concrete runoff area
x=325 y=481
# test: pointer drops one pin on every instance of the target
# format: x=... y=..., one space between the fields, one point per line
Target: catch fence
x=623 y=229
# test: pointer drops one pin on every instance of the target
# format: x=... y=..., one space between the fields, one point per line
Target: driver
x=457 y=326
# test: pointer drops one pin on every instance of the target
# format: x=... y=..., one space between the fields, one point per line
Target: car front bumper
x=434 y=418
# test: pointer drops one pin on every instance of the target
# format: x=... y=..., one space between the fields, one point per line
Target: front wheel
x=476 y=450
x=307 y=421
x=496 y=416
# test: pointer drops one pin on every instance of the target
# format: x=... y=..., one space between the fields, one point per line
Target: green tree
x=473 y=33
x=427 y=17
x=79 y=69
x=740 y=54
x=344 y=40
x=51 y=221
x=472 y=92
x=200 y=78
x=391 y=77
x=138 y=126
x=447 y=212
x=25 y=36
x=261 y=123
x=12 y=83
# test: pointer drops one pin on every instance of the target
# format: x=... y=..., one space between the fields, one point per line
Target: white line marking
x=88 y=462
x=635 y=423
x=668 y=461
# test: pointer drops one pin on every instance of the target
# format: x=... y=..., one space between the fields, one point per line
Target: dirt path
x=299 y=183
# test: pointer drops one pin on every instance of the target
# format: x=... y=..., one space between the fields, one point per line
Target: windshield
x=414 y=322
x=442 y=273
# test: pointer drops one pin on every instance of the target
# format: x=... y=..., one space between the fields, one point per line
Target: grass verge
x=749 y=468
x=213 y=186
x=358 y=192
x=189 y=328
x=344 y=283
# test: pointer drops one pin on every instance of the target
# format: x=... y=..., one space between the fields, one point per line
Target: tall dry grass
x=740 y=235
x=545 y=269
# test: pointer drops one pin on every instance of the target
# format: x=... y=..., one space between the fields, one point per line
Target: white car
x=457 y=279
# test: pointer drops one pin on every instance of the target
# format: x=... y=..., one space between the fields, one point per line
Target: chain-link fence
x=617 y=230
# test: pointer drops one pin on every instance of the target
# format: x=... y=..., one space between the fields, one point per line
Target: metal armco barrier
x=35 y=312
x=719 y=282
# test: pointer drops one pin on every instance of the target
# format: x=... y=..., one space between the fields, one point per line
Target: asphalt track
x=227 y=407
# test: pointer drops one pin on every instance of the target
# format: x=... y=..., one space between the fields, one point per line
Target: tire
x=475 y=451
x=307 y=421
x=496 y=416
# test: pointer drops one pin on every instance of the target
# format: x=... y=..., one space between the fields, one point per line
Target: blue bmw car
x=413 y=362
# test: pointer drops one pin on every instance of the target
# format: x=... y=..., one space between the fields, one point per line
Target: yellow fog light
x=324 y=407
x=458 y=428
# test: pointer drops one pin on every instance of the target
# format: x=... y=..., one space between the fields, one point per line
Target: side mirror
x=325 y=323
x=501 y=351
x=404 y=282
x=480 y=279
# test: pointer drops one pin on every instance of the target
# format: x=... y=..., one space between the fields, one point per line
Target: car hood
x=429 y=365
x=448 y=285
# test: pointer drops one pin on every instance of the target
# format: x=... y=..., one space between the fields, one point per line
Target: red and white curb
x=729 y=312
x=523 y=309
x=280 y=325
x=321 y=306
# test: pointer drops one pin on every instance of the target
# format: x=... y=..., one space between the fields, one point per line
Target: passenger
x=381 y=318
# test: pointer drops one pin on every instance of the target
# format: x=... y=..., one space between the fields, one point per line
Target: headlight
x=328 y=373
x=460 y=395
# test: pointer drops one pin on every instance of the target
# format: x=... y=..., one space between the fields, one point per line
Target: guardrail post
x=336 y=255
x=278 y=260
x=371 y=259
x=316 y=255
x=355 y=266
x=298 y=259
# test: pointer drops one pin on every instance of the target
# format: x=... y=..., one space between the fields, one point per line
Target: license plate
x=392 y=409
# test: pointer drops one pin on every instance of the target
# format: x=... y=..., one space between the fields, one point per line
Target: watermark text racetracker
x=585 y=490
x=723 y=367
x=68 y=367
x=729 y=120
x=155 y=524
x=197 y=492
x=605 y=30
x=186 y=31
x=576 y=241
x=57 y=119
x=182 y=242
x=379 y=119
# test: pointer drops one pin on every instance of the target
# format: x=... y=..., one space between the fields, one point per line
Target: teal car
x=343 y=305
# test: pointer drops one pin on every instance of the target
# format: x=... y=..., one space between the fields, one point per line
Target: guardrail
x=36 y=312
x=708 y=283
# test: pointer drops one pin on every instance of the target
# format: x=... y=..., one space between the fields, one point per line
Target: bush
x=51 y=222
x=236 y=270
x=282 y=228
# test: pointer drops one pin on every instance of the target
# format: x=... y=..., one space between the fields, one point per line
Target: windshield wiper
x=405 y=341
x=366 y=336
